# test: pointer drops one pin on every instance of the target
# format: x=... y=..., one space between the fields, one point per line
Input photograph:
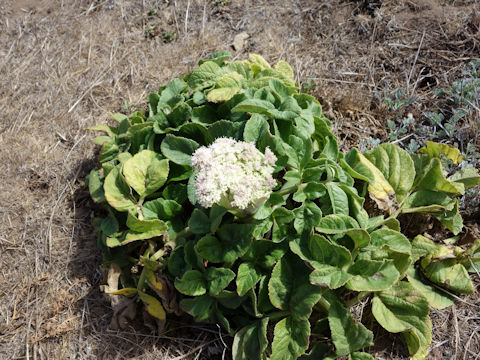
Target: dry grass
x=65 y=65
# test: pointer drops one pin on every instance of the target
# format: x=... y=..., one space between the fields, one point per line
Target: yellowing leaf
x=146 y=172
x=435 y=149
x=154 y=307
x=124 y=292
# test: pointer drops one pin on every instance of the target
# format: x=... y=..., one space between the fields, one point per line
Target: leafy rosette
x=229 y=200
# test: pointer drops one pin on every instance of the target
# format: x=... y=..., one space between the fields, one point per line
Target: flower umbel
x=233 y=174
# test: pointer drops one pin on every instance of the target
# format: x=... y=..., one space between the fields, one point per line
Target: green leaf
x=336 y=224
x=199 y=222
x=289 y=288
x=232 y=241
x=338 y=199
x=427 y=201
x=146 y=172
x=192 y=283
x=318 y=251
x=201 y=307
x=95 y=186
x=468 y=176
x=448 y=274
x=430 y=176
x=225 y=128
x=372 y=275
x=254 y=106
x=396 y=166
x=250 y=342
x=161 y=209
x=176 y=192
x=451 y=219
x=117 y=192
x=255 y=129
x=347 y=335
x=218 y=279
x=247 y=277
x=435 y=297
x=329 y=276
x=178 y=149
x=290 y=339
x=180 y=114
x=392 y=239
x=307 y=217
x=204 y=75
x=402 y=309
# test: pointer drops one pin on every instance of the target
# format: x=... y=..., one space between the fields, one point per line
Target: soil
x=64 y=65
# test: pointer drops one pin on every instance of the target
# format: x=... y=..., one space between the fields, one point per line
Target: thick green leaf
x=117 y=192
x=307 y=217
x=200 y=307
x=199 y=222
x=468 y=176
x=338 y=199
x=232 y=241
x=337 y=224
x=318 y=251
x=289 y=288
x=95 y=186
x=430 y=176
x=448 y=274
x=347 y=335
x=290 y=339
x=161 y=209
x=372 y=275
x=192 y=283
x=435 y=297
x=146 y=172
x=179 y=149
x=427 y=201
x=218 y=279
x=250 y=342
x=451 y=219
x=329 y=276
x=255 y=129
x=247 y=277
x=403 y=309
x=254 y=106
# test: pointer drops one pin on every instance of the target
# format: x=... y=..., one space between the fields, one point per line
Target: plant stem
x=278 y=314
x=357 y=298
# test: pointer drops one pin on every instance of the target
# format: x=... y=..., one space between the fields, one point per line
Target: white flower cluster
x=233 y=174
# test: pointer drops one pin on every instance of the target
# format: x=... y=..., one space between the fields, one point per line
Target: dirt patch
x=64 y=67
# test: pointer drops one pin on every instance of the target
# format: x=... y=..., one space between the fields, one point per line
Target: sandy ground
x=64 y=65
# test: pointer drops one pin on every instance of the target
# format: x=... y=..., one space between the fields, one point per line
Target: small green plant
x=153 y=12
x=229 y=200
x=308 y=85
x=169 y=36
x=220 y=2
x=150 y=31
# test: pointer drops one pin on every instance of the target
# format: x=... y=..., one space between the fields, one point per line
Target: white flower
x=233 y=174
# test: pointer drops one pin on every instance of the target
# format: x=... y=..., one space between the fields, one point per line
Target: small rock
x=239 y=41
